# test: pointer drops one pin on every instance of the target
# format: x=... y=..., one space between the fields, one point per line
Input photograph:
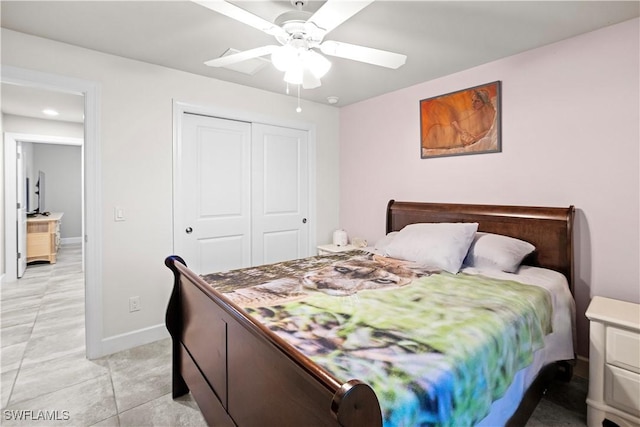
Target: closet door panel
x=213 y=218
x=280 y=246
x=280 y=193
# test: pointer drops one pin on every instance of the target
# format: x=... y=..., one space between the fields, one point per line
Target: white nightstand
x=332 y=249
x=614 y=362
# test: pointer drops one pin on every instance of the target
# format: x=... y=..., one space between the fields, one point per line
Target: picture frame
x=463 y=122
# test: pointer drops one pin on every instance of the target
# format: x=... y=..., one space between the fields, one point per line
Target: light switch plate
x=118 y=214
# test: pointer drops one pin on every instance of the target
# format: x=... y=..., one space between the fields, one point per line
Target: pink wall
x=570 y=136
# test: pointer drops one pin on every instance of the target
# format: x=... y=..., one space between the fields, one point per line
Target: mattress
x=558 y=345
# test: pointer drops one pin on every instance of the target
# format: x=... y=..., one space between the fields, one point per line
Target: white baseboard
x=70 y=240
x=132 y=339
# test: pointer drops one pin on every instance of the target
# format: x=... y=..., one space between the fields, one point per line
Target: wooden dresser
x=43 y=237
x=614 y=363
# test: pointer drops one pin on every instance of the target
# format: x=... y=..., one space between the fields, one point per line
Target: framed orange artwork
x=462 y=122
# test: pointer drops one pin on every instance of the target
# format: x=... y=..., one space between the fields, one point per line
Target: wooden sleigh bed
x=242 y=374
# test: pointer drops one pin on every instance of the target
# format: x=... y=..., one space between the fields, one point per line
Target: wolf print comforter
x=437 y=348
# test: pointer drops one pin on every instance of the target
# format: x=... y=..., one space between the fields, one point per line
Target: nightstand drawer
x=38 y=244
x=614 y=365
x=622 y=389
x=623 y=349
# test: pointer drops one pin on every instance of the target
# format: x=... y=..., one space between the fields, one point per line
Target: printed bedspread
x=437 y=348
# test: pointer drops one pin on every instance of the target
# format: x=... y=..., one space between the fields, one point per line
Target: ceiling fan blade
x=335 y=12
x=242 y=56
x=369 y=55
x=241 y=15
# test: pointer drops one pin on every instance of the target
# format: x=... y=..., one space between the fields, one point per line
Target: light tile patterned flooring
x=44 y=368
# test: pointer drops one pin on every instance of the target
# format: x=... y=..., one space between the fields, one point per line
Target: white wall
x=136 y=149
x=34 y=126
x=570 y=135
x=62 y=165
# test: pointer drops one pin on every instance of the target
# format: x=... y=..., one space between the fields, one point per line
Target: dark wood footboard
x=240 y=373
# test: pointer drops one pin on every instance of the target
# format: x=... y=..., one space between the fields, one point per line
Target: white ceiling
x=30 y=102
x=438 y=37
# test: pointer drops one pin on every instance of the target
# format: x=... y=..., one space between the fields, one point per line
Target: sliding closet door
x=213 y=213
x=280 y=194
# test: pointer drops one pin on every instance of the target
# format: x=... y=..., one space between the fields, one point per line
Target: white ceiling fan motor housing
x=297 y=27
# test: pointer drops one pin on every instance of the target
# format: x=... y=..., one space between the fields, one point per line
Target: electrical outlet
x=134 y=304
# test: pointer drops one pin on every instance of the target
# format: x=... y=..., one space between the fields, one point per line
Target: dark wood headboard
x=549 y=229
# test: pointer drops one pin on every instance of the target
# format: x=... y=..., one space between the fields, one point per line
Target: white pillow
x=497 y=252
x=381 y=245
x=439 y=245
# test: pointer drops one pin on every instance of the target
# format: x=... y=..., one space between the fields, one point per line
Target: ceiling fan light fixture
x=295 y=74
x=309 y=80
x=284 y=58
x=317 y=64
x=302 y=66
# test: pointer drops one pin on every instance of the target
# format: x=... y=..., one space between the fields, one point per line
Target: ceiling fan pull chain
x=298 y=110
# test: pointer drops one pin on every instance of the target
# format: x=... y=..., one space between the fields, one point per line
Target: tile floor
x=43 y=364
x=44 y=367
x=564 y=404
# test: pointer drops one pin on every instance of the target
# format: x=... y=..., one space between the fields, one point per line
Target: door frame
x=180 y=108
x=11 y=140
x=92 y=207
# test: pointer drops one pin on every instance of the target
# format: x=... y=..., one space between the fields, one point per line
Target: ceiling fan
x=301 y=34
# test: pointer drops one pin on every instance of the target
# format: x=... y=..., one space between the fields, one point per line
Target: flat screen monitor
x=41 y=192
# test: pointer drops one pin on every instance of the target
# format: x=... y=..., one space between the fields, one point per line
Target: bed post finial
x=173 y=321
x=356 y=404
x=389 y=225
